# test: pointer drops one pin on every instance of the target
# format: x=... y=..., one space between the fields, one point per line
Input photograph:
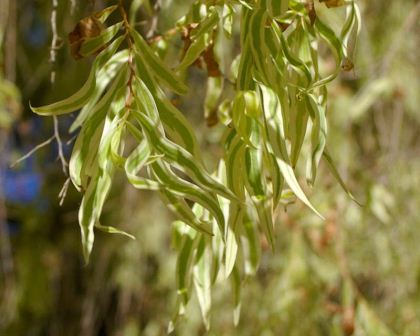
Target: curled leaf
x=88 y=27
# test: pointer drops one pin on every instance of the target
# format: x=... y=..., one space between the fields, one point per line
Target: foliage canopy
x=270 y=104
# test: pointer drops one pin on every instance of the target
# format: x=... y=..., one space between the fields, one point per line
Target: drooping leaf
x=92 y=45
x=276 y=135
x=157 y=67
x=86 y=92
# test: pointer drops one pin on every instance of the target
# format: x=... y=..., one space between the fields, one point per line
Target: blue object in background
x=22 y=187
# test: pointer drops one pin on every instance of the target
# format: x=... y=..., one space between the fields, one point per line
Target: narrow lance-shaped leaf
x=105 y=13
x=299 y=123
x=96 y=43
x=256 y=36
x=138 y=158
x=87 y=142
x=250 y=243
x=113 y=230
x=146 y=102
x=183 y=265
x=86 y=92
x=330 y=164
x=332 y=40
x=245 y=113
x=181 y=209
x=244 y=80
x=97 y=191
x=273 y=168
x=207 y=25
x=278 y=143
x=180 y=157
x=103 y=78
x=201 y=38
x=257 y=190
x=319 y=135
x=202 y=279
x=157 y=67
x=174 y=121
x=188 y=190
x=349 y=35
x=300 y=67
x=277 y=7
x=117 y=146
x=234 y=163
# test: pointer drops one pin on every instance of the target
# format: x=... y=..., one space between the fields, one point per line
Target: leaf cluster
x=278 y=105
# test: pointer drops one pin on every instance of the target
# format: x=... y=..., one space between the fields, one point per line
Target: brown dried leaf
x=207 y=57
x=310 y=8
x=212 y=118
x=213 y=69
x=84 y=29
x=348 y=320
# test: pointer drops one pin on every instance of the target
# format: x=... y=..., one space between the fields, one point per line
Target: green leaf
x=330 y=164
x=92 y=45
x=97 y=190
x=180 y=157
x=336 y=46
x=113 y=230
x=201 y=38
x=86 y=92
x=202 y=279
x=236 y=294
x=207 y=25
x=256 y=36
x=157 y=67
x=251 y=247
x=234 y=164
x=103 y=78
x=105 y=13
x=183 y=211
x=298 y=123
x=138 y=158
x=87 y=142
x=319 y=135
x=275 y=134
x=277 y=7
x=183 y=188
x=245 y=110
x=175 y=123
x=296 y=64
x=184 y=264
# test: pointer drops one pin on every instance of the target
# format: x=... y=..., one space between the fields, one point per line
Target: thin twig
x=64 y=163
x=55 y=38
x=129 y=98
x=53 y=57
x=63 y=192
x=36 y=148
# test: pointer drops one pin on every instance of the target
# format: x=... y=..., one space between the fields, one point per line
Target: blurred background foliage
x=357 y=273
